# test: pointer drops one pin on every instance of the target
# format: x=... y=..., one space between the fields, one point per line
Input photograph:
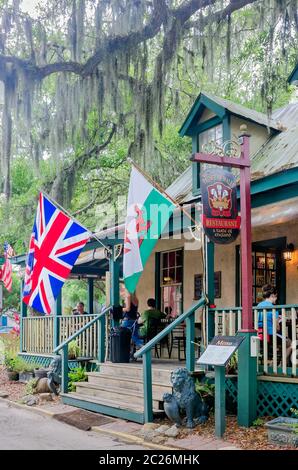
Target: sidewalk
x=147 y=435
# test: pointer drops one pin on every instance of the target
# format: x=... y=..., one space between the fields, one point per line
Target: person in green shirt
x=151 y=313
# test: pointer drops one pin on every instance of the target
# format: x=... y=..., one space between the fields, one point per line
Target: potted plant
x=25 y=370
x=10 y=365
x=73 y=350
x=284 y=431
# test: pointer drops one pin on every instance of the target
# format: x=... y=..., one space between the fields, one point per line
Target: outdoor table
x=83 y=361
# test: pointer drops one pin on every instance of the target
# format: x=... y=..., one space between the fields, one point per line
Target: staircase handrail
x=169 y=328
x=81 y=330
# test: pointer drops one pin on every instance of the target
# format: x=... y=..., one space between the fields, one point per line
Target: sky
x=28 y=6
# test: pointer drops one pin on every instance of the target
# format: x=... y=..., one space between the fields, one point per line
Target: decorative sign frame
x=198 y=285
x=220 y=350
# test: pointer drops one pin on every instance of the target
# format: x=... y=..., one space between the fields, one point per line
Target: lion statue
x=54 y=374
x=184 y=400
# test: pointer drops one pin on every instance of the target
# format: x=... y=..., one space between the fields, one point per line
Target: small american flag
x=6 y=272
x=8 y=250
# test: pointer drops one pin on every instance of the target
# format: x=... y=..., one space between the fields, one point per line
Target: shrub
x=78 y=374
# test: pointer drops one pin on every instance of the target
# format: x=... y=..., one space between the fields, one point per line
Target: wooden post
x=101 y=338
x=90 y=296
x=64 y=378
x=57 y=314
x=220 y=401
x=23 y=315
x=190 y=346
x=147 y=379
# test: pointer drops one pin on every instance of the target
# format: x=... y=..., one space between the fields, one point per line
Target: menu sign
x=220 y=350
x=220 y=214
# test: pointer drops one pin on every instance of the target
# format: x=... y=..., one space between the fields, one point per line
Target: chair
x=155 y=326
x=179 y=339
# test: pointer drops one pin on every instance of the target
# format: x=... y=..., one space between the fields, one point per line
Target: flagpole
x=160 y=189
x=77 y=221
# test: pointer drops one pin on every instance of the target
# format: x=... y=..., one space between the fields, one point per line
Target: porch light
x=288 y=252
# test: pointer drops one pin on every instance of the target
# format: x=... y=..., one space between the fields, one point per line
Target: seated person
x=151 y=313
x=270 y=297
x=79 y=310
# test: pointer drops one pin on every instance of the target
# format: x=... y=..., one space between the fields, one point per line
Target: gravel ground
x=14 y=389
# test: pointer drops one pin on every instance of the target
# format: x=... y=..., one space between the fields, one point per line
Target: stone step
x=98 y=378
x=135 y=371
x=131 y=406
x=118 y=395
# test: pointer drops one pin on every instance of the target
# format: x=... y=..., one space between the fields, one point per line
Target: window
x=171 y=267
x=214 y=134
x=171 y=281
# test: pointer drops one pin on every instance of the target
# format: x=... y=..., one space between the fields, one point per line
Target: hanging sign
x=219 y=197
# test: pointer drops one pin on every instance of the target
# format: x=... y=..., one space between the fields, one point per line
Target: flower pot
x=283 y=431
x=41 y=373
x=12 y=375
x=24 y=377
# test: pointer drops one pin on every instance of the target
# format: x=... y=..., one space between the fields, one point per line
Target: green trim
x=220 y=401
x=210 y=289
x=247 y=382
x=90 y=295
x=198 y=107
x=274 y=181
x=190 y=346
x=104 y=409
x=115 y=279
x=204 y=126
x=293 y=75
x=23 y=315
x=57 y=314
x=147 y=384
x=275 y=195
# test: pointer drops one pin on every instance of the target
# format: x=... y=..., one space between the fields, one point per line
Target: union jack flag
x=55 y=244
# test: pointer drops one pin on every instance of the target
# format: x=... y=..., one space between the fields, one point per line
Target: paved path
x=22 y=429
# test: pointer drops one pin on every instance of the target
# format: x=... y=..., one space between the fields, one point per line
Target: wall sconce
x=288 y=252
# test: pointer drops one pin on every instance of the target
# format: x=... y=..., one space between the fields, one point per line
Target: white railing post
x=284 y=341
x=294 y=340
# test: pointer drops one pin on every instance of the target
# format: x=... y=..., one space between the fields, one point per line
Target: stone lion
x=184 y=400
x=54 y=374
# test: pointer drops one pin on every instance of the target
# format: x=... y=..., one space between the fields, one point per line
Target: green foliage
x=258 y=422
x=294 y=411
x=31 y=386
x=78 y=374
x=204 y=389
x=232 y=365
x=73 y=349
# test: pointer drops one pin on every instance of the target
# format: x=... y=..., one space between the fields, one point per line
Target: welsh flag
x=148 y=212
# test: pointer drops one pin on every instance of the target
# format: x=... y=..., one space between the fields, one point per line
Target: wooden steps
x=117 y=390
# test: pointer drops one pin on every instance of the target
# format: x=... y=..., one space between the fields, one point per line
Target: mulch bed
x=253 y=438
x=83 y=419
x=15 y=390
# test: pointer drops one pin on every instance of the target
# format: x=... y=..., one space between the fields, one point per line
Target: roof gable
x=294 y=75
x=221 y=107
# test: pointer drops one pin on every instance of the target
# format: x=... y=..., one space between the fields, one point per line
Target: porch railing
x=145 y=351
x=63 y=347
x=87 y=341
x=277 y=356
x=39 y=333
